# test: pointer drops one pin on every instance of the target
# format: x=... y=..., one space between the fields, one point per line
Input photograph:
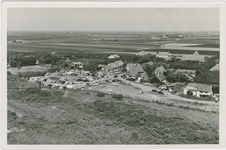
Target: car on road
x=154 y=90
x=141 y=92
x=160 y=92
x=116 y=84
x=115 y=76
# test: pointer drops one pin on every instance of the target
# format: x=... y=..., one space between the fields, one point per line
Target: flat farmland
x=108 y=42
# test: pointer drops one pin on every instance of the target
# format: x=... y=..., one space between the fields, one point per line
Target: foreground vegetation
x=87 y=117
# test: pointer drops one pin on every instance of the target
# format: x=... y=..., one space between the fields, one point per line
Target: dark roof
x=134 y=69
x=163 y=54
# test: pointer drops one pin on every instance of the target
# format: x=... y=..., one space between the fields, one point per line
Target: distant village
x=76 y=77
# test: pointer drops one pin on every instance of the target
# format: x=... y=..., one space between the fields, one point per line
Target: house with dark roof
x=135 y=71
x=193 y=57
x=115 y=67
x=199 y=90
x=159 y=76
x=164 y=55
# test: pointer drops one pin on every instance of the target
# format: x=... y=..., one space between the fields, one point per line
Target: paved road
x=166 y=93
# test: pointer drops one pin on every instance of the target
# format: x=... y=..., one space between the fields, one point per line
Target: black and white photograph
x=113 y=75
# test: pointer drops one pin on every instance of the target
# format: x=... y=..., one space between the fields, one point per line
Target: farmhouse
x=77 y=64
x=113 y=56
x=165 y=55
x=198 y=90
x=160 y=70
x=159 y=76
x=193 y=57
x=135 y=71
x=115 y=67
x=215 y=68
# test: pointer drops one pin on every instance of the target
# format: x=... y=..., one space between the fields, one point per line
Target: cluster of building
x=167 y=56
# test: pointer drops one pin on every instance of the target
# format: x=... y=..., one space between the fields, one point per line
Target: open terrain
x=112 y=42
x=84 y=117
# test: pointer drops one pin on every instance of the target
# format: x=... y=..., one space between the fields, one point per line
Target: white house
x=113 y=56
x=199 y=90
x=165 y=55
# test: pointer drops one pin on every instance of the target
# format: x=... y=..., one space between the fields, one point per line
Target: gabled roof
x=193 y=57
x=114 y=56
x=185 y=71
x=160 y=69
x=134 y=69
x=215 y=68
x=115 y=64
x=196 y=53
x=148 y=63
x=163 y=54
x=160 y=77
x=201 y=87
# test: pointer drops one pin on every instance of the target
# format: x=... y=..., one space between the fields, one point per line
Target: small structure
x=77 y=64
x=193 y=57
x=199 y=90
x=164 y=55
x=186 y=71
x=37 y=62
x=113 y=56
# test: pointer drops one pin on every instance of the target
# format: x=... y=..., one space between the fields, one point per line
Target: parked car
x=141 y=92
x=116 y=84
x=154 y=90
x=163 y=87
x=109 y=90
x=115 y=76
x=160 y=92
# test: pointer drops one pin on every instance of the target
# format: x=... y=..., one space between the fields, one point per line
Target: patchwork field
x=109 y=42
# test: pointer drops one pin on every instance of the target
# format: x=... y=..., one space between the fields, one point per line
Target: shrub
x=64 y=87
x=100 y=94
x=117 y=96
x=189 y=93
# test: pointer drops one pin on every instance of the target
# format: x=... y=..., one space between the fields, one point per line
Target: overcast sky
x=114 y=19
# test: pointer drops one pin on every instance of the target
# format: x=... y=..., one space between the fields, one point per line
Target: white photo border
x=222 y=112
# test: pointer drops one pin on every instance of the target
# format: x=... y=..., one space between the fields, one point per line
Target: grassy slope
x=84 y=118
